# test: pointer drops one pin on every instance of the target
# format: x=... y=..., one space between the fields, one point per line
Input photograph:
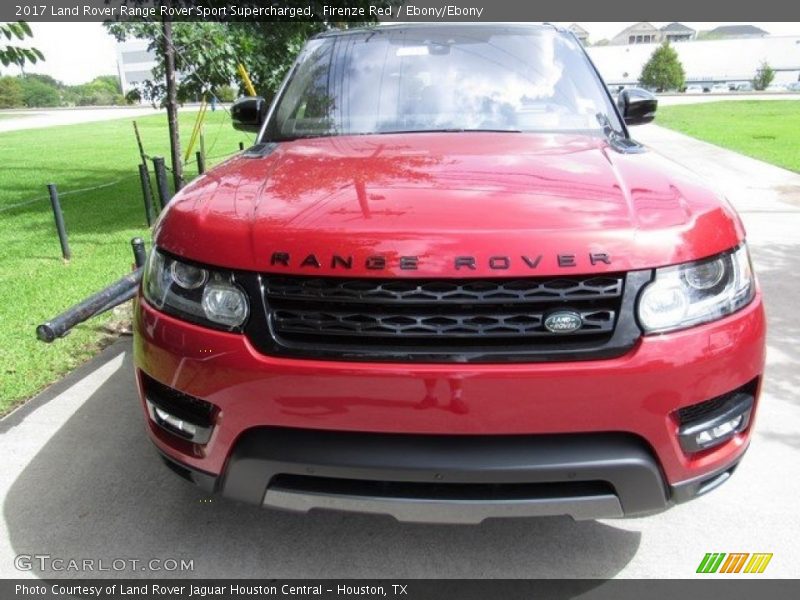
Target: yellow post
x=198 y=123
x=248 y=85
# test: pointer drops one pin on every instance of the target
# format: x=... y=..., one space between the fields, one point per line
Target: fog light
x=729 y=418
x=191 y=432
x=704 y=438
x=182 y=426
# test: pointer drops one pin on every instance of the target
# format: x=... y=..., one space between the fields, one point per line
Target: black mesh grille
x=194 y=410
x=439 y=491
x=699 y=412
x=480 y=291
x=455 y=324
x=441 y=316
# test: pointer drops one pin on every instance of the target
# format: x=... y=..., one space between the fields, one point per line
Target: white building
x=705 y=62
x=134 y=62
x=638 y=33
x=580 y=33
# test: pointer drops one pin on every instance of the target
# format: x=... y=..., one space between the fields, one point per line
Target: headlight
x=205 y=296
x=697 y=292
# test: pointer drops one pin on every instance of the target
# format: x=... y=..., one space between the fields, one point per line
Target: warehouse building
x=705 y=62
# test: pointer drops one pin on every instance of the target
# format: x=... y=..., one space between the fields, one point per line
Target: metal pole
x=118 y=292
x=62 y=231
x=201 y=163
x=139 y=251
x=139 y=142
x=146 y=181
x=172 y=104
x=146 y=194
x=161 y=181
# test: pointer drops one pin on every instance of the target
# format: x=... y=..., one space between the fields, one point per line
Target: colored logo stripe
x=758 y=563
x=713 y=562
x=734 y=562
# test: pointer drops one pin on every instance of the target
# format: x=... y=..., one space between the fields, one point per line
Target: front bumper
x=447 y=479
x=597 y=424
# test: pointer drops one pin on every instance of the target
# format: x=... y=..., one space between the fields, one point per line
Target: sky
x=78 y=52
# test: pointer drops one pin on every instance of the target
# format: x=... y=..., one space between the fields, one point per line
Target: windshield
x=442 y=79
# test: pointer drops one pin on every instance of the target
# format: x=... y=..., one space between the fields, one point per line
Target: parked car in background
x=743 y=86
x=720 y=88
x=694 y=89
x=793 y=87
x=776 y=87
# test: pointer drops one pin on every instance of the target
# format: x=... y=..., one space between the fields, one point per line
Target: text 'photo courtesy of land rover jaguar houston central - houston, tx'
x=445 y=284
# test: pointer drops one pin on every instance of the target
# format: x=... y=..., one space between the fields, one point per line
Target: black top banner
x=397 y=10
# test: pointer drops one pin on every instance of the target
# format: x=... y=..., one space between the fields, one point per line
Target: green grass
x=35 y=284
x=765 y=129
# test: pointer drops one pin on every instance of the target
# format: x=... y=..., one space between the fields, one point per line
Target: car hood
x=456 y=204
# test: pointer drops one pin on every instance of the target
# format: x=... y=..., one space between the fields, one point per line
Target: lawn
x=35 y=284
x=765 y=129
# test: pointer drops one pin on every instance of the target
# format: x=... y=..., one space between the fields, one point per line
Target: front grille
x=436 y=312
x=430 y=490
x=186 y=407
x=702 y=411
x=440 y=319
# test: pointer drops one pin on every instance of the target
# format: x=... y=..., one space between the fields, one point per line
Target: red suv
x=445 y=284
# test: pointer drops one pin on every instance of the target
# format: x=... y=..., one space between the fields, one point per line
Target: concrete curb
x=16 y=416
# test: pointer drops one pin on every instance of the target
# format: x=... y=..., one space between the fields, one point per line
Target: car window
x=441 y=78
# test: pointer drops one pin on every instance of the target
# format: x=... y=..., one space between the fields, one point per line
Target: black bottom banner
x=408 y=589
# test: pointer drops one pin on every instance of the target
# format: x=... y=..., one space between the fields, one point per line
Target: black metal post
x=241 y=146
x=144 y=176
x=139 y=251
x=201 y=163
x=62 y=230
x=118 y=292
x=146 y=182
x=161 y=181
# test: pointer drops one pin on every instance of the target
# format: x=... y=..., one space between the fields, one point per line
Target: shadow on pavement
x=773 y=262
x=98 y=490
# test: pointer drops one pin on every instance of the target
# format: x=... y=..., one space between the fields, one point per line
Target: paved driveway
x=38 y=118
x=672 y=99
x=80 y=480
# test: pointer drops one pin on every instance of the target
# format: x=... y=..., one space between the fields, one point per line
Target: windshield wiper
x=448 y=130
x=310 y=136
x=394 y=132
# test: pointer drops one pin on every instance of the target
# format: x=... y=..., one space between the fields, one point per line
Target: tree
x=37 y=92
x=764 y=76
x=663 y=70
x=206 y=55
x=14 y=55
x=101 y=91
x=10 y=93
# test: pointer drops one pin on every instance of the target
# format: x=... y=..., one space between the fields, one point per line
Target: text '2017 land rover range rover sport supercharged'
x=445 y=284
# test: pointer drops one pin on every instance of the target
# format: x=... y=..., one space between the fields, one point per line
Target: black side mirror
x=248 y=113
x=637 y=106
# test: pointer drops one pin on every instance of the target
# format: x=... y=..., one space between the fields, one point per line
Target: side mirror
x=248 y=113
x=637 y=106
